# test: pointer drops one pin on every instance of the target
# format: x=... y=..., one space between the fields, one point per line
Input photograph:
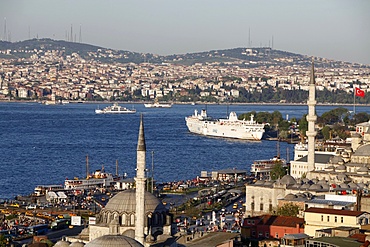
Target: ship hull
x=215 y=129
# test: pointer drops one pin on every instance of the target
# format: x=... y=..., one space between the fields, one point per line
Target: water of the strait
x=45 y=144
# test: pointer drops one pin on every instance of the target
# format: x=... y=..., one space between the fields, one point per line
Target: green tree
x=326 y=132
x=288 y=209
x=303 y=126
x=278 y=171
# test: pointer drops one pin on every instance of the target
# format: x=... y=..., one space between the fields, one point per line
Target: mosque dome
x=113 y=241
x=363 y=150
x=287 y=180
x=125 y=202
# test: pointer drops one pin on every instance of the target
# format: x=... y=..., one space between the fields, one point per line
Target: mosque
x=132 y=217
x=316 y=175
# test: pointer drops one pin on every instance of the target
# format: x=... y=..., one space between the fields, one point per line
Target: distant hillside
x=243 y=57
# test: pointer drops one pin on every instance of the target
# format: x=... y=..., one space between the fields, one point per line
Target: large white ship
x=231 y=127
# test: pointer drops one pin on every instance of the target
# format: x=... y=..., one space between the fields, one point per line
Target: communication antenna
x=71 y=34
x=249 y=38
x=80 y=38
x=4 y=37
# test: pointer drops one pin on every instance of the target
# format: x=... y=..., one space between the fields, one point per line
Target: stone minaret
x=311 y=118
x=140 y=185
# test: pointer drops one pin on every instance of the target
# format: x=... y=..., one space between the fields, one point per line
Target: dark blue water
x=43 y=144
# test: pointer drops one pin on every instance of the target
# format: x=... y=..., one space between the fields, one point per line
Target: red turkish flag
x=359 y=92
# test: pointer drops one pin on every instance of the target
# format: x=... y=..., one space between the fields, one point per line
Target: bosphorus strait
x=43 y=144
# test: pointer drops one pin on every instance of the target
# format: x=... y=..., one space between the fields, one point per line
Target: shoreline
x=184 y=103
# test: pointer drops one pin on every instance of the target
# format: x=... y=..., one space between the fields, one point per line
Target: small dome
x=314 y=180
x=363 y=150
x=336 y=160
x=287 y=180
x=315 y=187
x=352 y=185
x=344 y=186
x=363 y=170
x=113 y=241
x=329 y=168
x=341 y=168
x=325 y=186
x=77 y=244
x=290 y=197
x=305 y=180
x=305 y=186
x=300 y=195
x=62 y=243
x=322 y=181
x=361 y=185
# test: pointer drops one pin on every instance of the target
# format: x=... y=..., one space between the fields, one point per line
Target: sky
x=332 y=29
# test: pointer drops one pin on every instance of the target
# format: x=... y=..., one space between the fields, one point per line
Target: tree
x=288 y=209
x=326 y=132
x=303 y=126
x=278 y=171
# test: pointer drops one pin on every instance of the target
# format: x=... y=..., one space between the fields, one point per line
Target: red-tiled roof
x=334 y=211
x=273 y=220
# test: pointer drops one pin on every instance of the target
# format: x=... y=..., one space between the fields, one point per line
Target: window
x=341 y=219
x=253 y=233
x=261 y=207
x=335 y=219
x=322 y=217
x=252 y=206
x=267 y=234
x=328 y=218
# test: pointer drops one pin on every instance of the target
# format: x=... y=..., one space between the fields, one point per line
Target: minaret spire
x=140 y=184
x=311 y=119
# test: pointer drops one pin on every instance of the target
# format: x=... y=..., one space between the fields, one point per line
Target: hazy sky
x=334 y=29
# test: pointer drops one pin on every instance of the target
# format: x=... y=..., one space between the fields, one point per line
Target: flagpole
x=354 y=100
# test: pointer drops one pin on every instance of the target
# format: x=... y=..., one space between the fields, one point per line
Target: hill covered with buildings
x=38 y=69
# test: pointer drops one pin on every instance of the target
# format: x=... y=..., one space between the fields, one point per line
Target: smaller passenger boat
x=114 y=109
x=156 y=104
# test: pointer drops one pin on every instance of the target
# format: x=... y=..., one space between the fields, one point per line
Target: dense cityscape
x=45 y=70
